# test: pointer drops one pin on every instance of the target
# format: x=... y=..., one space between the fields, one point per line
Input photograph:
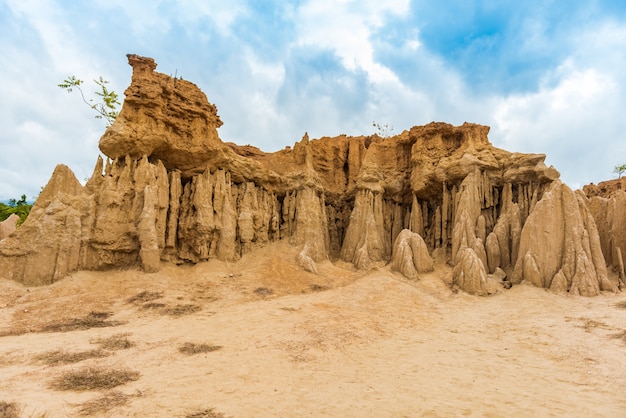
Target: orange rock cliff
x=172 y=191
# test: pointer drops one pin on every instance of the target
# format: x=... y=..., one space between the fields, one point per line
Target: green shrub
x=19 y=207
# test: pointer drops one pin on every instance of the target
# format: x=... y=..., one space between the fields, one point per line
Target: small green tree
x=619 y=170
x=106 y=108
x=384 y=131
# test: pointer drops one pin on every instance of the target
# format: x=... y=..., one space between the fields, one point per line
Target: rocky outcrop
x=609 y=213
x=469 y=274
x=172 y=191
x=8 y=226
x=468 y=249
x=410 y=255
x=605 y=188
x=560 y=246
x=46 y=247
x=164 y=118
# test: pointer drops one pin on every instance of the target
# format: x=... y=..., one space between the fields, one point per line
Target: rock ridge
x=172 y=191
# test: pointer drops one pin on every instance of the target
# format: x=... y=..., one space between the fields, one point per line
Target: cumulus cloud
x=576 y=117
x=345 y=28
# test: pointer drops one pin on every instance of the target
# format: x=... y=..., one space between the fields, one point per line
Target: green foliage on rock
x=19 y=207
x=106 y=108
x=619 y=170
x=383 y=130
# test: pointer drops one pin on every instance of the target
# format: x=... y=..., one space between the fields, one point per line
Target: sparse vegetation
x=318 y=288
x=153 y=305
x=91 y=320
x=144 y=300
x=18 y=207
x=115 y=342
x=384 y=130
x=589 y=324
x=192 y=348
x=9 y=410
x=180 y=310
x=92 y=378
x=621 y=305
x=106 y=108
x=145 y=296
x=56 y=357
x=263 y=291
x=206 y=413
x=104 y=403
x=619 y=170
x=620 y=335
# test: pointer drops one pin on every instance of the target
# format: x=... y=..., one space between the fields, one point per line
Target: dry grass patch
x=9 y=359
x=91 y=320
x=180 y=310
x=206 y=413
x=153 y=305
x=145 y=296
x=115 y=342
x=621 y=305
x=263 y=291
x=192 y=348
x=13 y=410
x=9 y=410
x=92 y=378
x=54 y=358
x=620 y=336
x=589 y=324
x=104 y=403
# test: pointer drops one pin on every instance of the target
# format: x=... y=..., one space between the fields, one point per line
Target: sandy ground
x=337 y=344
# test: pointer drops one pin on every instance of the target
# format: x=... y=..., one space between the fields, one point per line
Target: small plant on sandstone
x=106 y=108
x=383 y=130
x=619 y=170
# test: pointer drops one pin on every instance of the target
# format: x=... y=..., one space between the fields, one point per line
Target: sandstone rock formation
x=47 y=246
x=560 y=246
x=607 y=203
x=8 y=226
x=166 y=118
x=172 y=191
x=605 y=188
x=410 y=255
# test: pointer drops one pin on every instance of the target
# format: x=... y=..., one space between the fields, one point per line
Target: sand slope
x=340 y=344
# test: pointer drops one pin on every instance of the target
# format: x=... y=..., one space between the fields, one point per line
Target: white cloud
x=61 y=44
x=222 y=13
x=577 y=115
x=573 y=122
x=147 y=17
x=345 y=28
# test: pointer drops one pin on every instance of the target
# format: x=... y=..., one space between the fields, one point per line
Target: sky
x=548 y=76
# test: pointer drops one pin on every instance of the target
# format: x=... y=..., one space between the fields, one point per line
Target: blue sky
x=547 y=76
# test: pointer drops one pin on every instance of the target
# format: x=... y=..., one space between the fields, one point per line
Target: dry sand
x=338 y=344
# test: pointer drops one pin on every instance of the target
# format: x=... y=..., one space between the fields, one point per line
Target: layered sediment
x=172 y=191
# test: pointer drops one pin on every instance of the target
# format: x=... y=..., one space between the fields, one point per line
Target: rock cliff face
x=172 y=191
x=560 y=246
x=607 y=203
